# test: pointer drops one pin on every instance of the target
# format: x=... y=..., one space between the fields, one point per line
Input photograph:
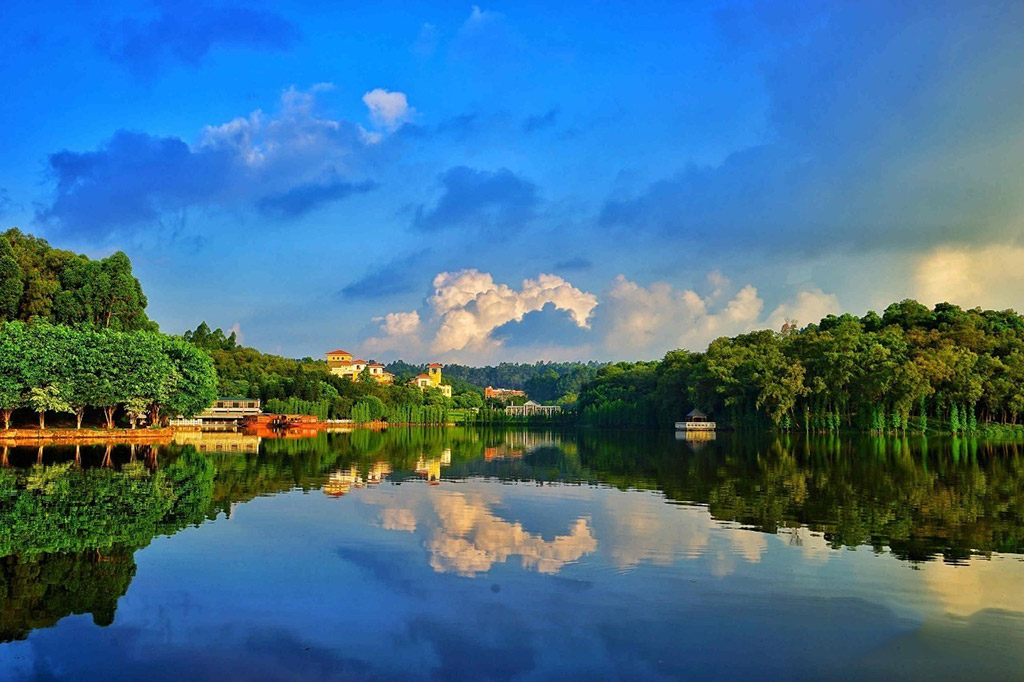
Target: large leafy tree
x=60 y=286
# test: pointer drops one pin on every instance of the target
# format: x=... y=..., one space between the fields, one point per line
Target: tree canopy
x=875 y=372
x=39 y=282
x=56 y=368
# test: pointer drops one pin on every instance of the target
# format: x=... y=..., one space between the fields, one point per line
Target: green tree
x=11 y=284
x=45 y=399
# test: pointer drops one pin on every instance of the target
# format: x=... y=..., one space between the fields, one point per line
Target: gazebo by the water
x=695 y=420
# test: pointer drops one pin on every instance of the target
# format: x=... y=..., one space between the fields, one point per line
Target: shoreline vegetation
x=77 y=346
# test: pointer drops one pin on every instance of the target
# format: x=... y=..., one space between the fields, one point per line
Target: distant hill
x=543 y=381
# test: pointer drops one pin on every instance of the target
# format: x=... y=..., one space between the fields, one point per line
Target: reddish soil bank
x=83 y=436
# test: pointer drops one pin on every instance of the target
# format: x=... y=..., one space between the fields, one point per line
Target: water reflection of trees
x=68 y=532
x=38 y=591
x=920 y=499
x=69 y=527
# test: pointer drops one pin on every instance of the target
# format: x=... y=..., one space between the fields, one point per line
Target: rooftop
x=338 y=352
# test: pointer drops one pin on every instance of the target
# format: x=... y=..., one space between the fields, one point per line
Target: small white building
x=530 y=408
x=696 y=421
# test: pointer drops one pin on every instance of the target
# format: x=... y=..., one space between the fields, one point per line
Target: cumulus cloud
x=808 y=307
x=479 y=199
x=470 y=305
x=186 y=32
x=400 y=332
x=652 y=320
x=285 y=164
x=400 y=324
x=468 y=315
x=855 y=157
x=988 y=276
x=388 y=110
x=471 y=318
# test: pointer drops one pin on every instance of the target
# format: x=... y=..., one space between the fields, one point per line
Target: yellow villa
x=432 y=379
x=340 y=363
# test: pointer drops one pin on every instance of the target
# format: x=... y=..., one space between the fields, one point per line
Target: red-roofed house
x=340 y=363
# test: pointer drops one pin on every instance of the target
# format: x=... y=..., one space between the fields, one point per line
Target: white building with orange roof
x=432 y=379
x=340 y=363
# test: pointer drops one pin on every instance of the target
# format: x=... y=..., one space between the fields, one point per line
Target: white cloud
x=399 y=324
x=388 y=110
x=655 y=319
x=458 y=321
x=398 y=332
x=295 y=138
x=470 y=305
x=809 y=306
x=988 y=276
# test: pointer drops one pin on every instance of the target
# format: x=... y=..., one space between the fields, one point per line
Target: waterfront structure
x=695 y=420
x=503 y=394
x=223 y=412
x=530 y=408
x=340 y=363
x=432 y=379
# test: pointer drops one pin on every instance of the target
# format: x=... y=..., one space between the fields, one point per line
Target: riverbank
x=15 y=437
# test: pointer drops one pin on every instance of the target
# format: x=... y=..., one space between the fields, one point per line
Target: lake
x=504 y=555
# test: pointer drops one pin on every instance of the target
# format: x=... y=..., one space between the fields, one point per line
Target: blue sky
x=521 y=181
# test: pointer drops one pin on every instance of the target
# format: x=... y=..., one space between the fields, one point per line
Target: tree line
x=911 y=368
x=543 y=381
x=51 y=368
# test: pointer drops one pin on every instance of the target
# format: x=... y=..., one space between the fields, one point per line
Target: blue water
x=546 y=557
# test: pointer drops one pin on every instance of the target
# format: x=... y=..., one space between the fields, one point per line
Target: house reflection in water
x=430 y=468
x=696 y=437
x=219 y=441
x=378 y=473
x=342 y=481
x=519 y=443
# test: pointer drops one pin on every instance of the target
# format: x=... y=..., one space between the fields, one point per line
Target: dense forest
x=39 y=282
x=910 y=368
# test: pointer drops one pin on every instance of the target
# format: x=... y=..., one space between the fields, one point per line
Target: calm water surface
x=460 y=554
